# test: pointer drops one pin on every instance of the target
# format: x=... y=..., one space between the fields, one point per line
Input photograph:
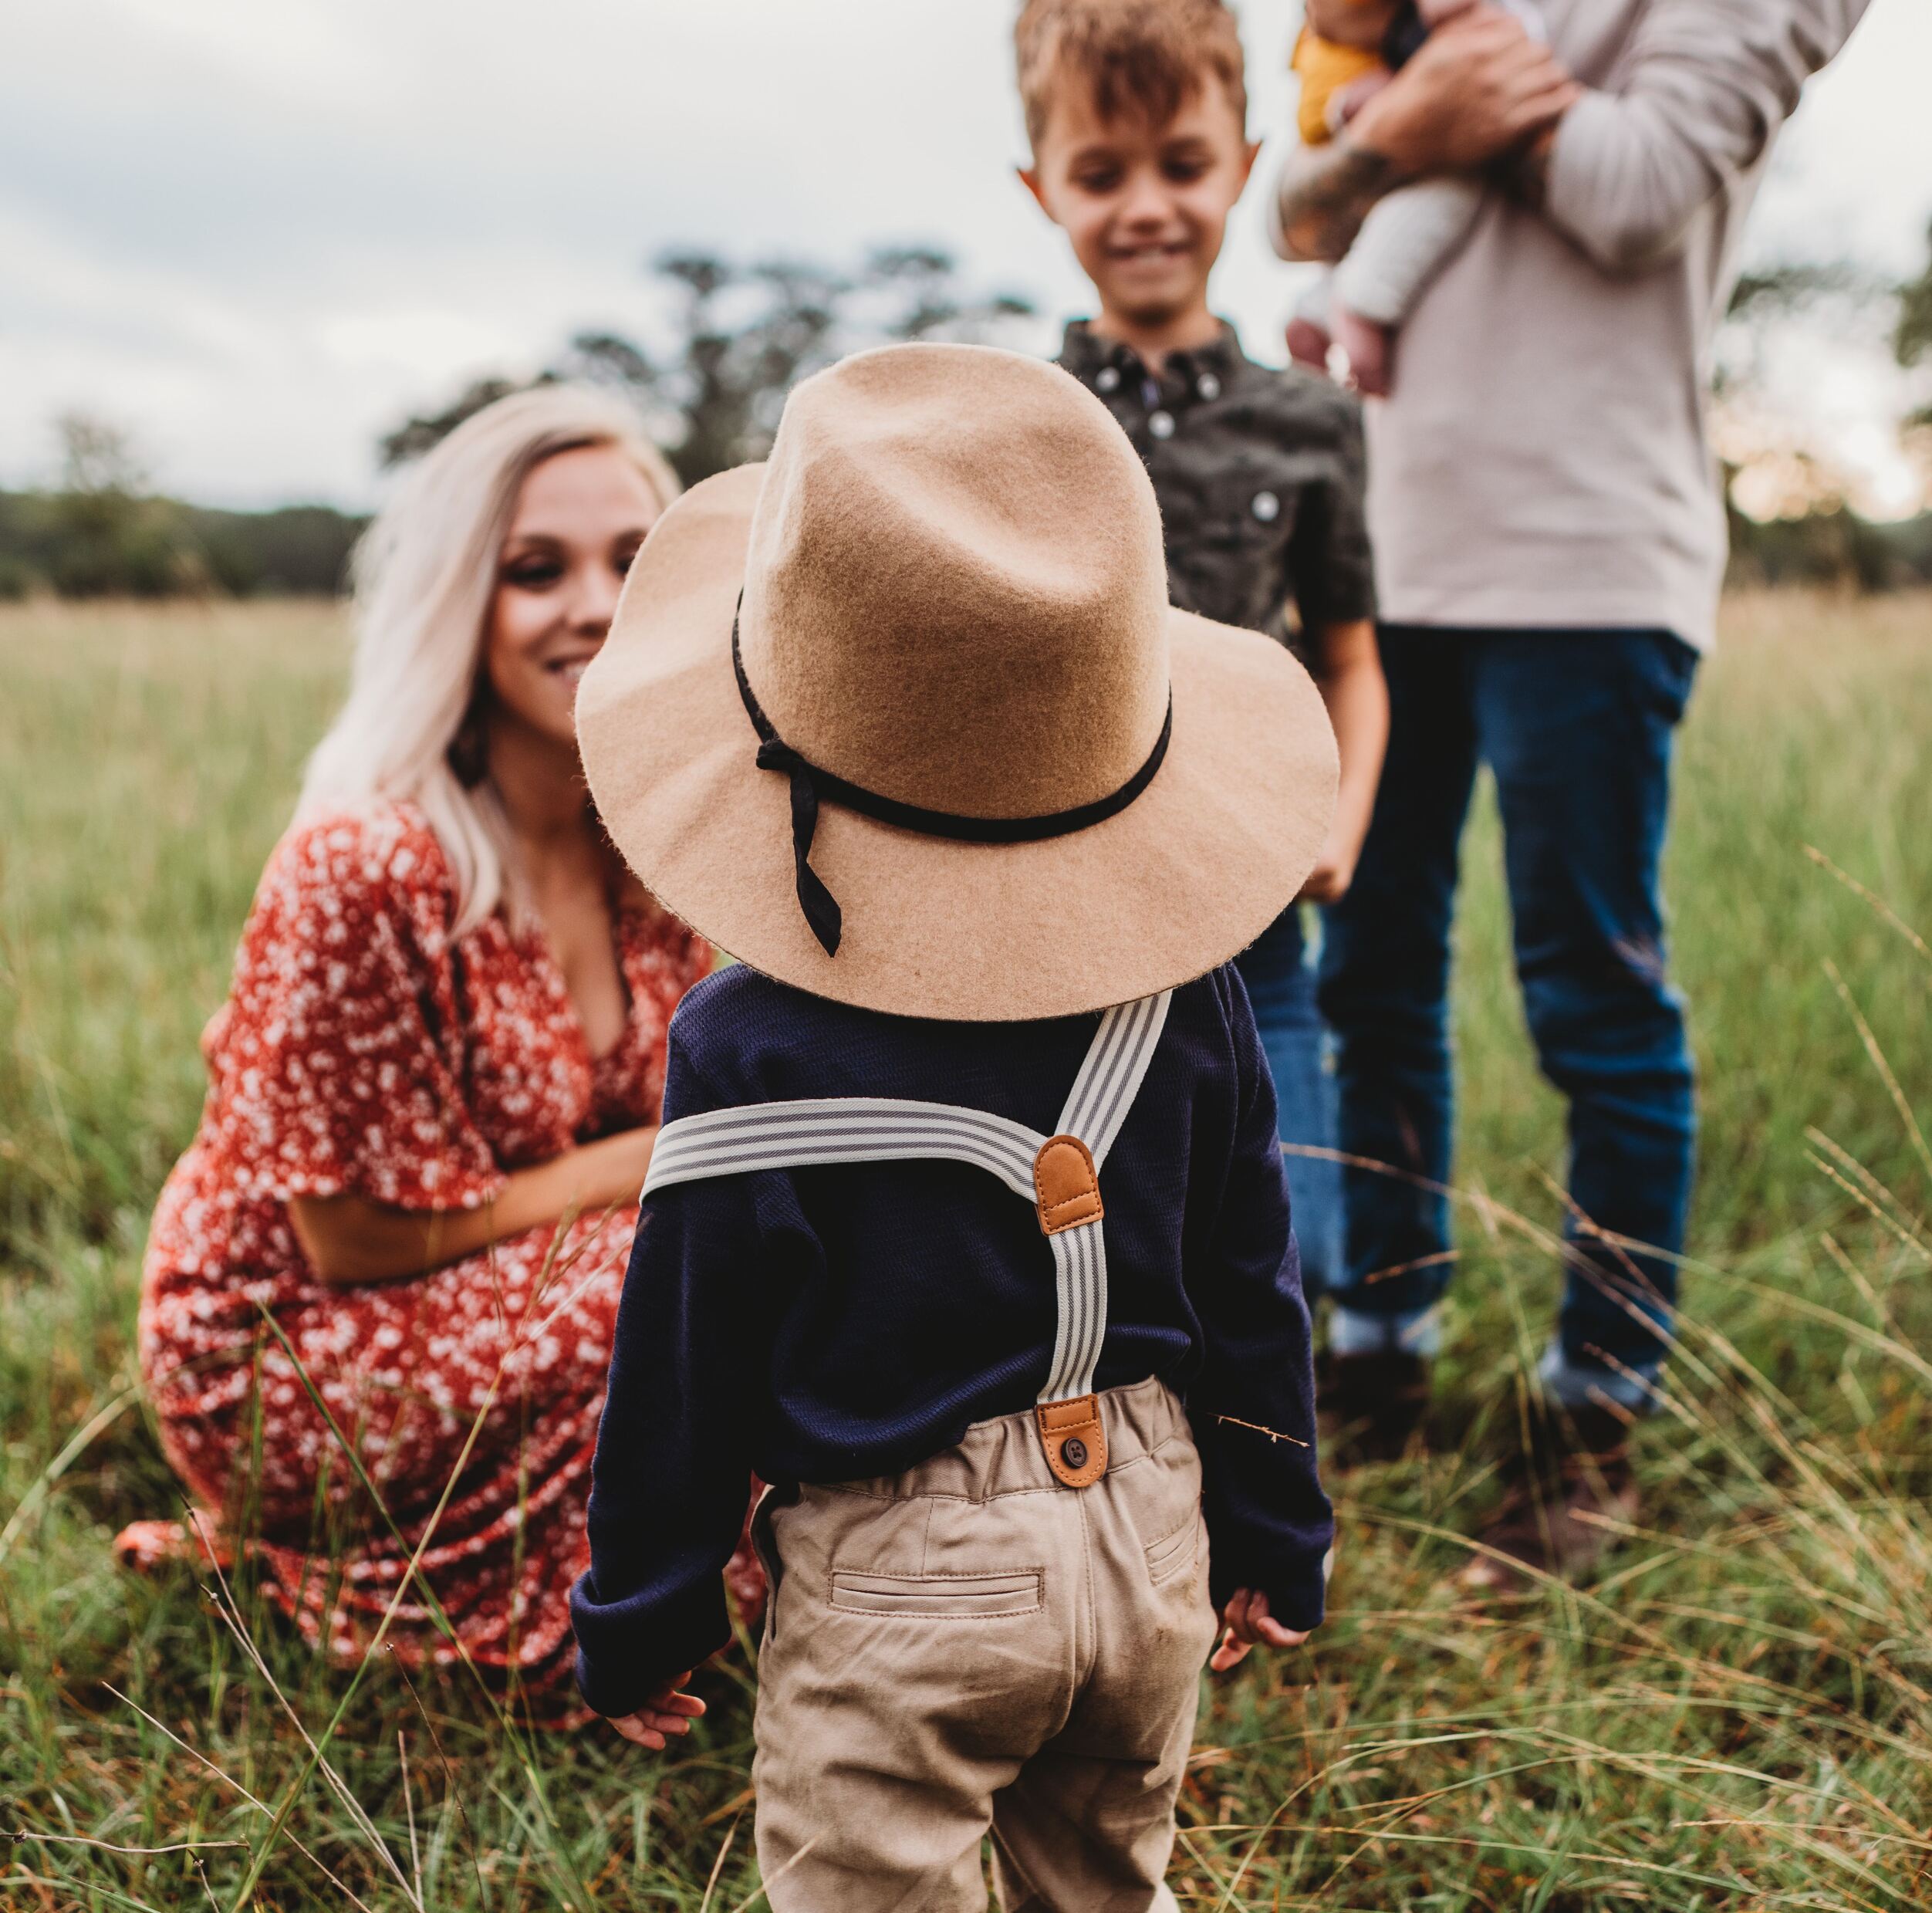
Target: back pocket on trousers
x=957 y=1596
x=1174 y=1554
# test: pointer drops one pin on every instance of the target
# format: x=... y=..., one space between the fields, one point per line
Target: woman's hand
x=349 y=1240
x=668 y=1711
x=1246 y=1624
x=608 y=1174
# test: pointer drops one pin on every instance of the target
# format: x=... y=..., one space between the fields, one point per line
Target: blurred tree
x=415 y=436
x=1802 y=526
x=741 y=337
x=107 y=536
x=97 y=457
x=1912 y=336
x=1912 y=345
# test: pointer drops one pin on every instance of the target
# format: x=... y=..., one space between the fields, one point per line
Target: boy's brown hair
x=1149 y=56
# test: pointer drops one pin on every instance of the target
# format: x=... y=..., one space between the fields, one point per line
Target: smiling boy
x=1136 y=110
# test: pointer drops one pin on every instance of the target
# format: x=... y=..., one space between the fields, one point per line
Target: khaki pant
x=972 y=1648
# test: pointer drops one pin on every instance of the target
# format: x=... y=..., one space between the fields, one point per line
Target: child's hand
x=1328 y=882
x=1334 y=870
x=1249 y=1625
x=669 y=1710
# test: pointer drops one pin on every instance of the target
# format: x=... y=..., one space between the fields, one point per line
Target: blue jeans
x=1577 y=728
x=1280 y=980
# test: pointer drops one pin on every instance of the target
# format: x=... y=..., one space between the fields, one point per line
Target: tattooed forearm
x=1326 y=195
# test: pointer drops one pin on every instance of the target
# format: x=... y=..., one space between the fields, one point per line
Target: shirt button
x=1207 y=386
x=1107 y=379
x=1266 y=507
x=1161 y=424
x=1073 y=1452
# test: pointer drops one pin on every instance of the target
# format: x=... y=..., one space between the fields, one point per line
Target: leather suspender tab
x=1074 y=1439
x=1066 y=1186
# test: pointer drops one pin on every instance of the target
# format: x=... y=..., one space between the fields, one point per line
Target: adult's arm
x=349 y=1240
x=1478 y=87
x=1702 y=91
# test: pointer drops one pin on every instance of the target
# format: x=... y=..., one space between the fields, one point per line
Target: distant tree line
x=100 y=533
x=741 y=335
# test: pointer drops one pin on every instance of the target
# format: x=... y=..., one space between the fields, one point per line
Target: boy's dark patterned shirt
x=1259 y=474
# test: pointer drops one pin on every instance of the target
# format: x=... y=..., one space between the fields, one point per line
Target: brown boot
x=1371 y=1406
x=1575 y=1488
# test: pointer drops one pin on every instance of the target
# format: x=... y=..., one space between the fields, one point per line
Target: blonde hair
x=1150 y=55
x=423 y=576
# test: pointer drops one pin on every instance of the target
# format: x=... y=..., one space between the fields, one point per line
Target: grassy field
x=1738 y=1715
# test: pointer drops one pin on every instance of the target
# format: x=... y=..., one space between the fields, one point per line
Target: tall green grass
x=1737 y=1715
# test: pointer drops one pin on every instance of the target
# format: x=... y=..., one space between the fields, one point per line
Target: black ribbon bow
x=812 y=786
x=821 y=907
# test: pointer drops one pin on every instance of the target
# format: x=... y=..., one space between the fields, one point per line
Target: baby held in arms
x=1346 y=52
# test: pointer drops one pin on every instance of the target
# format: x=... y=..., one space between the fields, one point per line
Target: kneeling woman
x=433 y=1087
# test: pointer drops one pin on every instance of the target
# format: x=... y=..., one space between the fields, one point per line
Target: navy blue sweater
x=828 y=1323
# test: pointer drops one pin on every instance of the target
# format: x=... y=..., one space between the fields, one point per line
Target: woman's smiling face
x=577 y=524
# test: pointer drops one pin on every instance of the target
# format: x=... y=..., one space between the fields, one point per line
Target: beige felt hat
x=903 y=717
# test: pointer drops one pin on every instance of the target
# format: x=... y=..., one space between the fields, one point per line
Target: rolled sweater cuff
x=1297 y=1590
x=623 y=1659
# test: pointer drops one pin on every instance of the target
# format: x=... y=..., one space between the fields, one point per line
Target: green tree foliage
x=741 y=336
x=102 y=533
x=108 y=535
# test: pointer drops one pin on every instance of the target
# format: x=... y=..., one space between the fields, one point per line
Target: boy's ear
x=1029 y=177
x=1253 y=152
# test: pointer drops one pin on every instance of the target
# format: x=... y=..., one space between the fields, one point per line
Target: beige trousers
x=970 y=1647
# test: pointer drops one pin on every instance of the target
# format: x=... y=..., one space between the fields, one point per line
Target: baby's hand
x=669 y=1710
x=1249 y=1625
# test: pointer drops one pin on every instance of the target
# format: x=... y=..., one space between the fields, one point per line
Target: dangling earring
x=467 y=754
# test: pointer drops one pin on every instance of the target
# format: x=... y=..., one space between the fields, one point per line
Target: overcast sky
x=256 y=232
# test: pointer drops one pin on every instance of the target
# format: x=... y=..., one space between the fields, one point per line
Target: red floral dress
x=364 y=1049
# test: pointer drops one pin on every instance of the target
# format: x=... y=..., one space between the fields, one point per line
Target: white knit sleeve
x=1405 y=241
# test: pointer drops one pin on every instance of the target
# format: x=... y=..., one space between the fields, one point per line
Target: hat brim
x=1183 y=879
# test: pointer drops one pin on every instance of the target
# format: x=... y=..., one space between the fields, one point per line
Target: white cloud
x=259 y=231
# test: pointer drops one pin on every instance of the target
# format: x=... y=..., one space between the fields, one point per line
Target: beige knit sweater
x=1543 y=461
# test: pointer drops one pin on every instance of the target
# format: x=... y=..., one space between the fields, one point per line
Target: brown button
x=1073 y=1452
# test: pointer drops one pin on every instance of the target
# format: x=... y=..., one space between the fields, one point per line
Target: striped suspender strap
x=1058 y=1173
x=840 y=1129
x=1104 y=1092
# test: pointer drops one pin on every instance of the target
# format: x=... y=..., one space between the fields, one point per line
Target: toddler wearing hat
x=967 y=1228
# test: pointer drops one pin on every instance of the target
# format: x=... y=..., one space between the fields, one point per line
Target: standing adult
x=1550 y=541
x=390 y=1259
